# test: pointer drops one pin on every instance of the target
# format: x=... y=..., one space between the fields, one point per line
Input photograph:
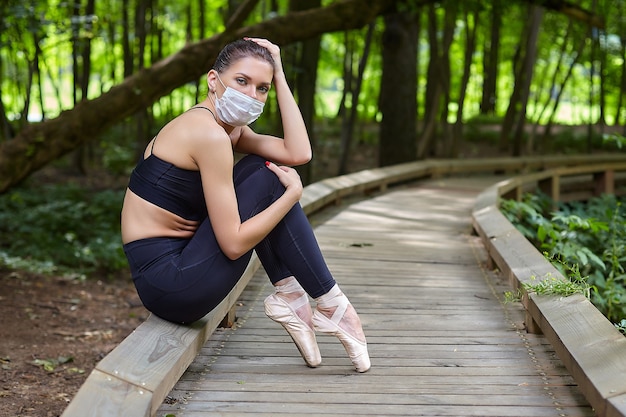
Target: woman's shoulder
x=204 y=139
x=186 y=138
x=196 y=127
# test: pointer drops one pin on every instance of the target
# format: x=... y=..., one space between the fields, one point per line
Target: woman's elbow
x=301 y=158
x=233 y=251
x=233 y=254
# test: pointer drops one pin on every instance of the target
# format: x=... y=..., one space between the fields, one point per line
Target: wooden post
x=531 y=325
x=604 y=182
x=229 y=319
x=551 y=187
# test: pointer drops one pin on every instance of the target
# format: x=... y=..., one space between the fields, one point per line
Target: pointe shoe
x=301 y=333
x=357 y=349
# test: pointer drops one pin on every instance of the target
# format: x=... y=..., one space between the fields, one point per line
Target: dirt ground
x=53 y=331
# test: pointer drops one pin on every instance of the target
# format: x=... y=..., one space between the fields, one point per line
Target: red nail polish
x=267 y=163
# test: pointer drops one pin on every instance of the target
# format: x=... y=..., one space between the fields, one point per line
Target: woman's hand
x=295 y=148
x=288 y=177
x=274 y=51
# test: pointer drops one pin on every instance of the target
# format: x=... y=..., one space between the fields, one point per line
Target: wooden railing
x=134 y=378
x=591 y=348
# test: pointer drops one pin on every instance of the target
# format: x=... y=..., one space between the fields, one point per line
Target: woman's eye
x=264 y=89
x=241 y=81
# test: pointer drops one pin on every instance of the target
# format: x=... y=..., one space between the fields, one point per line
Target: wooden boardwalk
x=441 y=339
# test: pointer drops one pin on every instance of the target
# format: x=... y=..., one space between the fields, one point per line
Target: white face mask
x=236 y=108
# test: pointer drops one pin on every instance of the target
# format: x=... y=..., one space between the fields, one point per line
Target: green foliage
x=61 y=229
x=50 y=365
x=581 y=240
x=527 y=215
x=617 y=140
x=551 y=285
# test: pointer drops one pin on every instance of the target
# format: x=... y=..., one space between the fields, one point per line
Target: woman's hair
x=239 y=49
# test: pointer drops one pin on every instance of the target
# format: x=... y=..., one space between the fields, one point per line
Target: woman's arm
x=215 y=161
x=295 y=148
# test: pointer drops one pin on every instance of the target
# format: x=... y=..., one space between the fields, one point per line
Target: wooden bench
x=136 y=376
x=590 y=347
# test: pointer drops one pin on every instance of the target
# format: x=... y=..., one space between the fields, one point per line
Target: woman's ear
x=211 y=79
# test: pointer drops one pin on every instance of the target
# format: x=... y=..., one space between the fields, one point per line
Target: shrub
x=61 y=228
x=582 y=240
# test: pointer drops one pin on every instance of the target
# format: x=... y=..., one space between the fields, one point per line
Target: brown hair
x=239 y=49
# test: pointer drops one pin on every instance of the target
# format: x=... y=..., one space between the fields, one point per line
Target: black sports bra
x=165 y=185
x=172 y=188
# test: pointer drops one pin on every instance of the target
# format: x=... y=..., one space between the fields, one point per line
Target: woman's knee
x=246 y=167
x=253 y=176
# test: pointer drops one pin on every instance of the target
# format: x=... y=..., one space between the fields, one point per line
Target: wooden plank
x=616 y=406
x=427 y=387
x=323 y=398
x=589 y=345
x=278 y=408
x=119 y=396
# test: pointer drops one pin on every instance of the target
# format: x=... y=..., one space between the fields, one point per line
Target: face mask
x=236 y=108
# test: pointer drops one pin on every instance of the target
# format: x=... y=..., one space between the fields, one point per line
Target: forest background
x=85 y=84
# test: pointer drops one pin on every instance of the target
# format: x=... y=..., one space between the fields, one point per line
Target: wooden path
x=441 y=339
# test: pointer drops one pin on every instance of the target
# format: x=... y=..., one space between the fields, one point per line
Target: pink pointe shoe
x=284 y=313
x=357 y=349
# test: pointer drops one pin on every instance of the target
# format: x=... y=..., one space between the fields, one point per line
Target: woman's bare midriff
x=142 y=219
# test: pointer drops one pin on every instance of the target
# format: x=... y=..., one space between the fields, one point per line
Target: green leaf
x=541 y=233
x=51 y=364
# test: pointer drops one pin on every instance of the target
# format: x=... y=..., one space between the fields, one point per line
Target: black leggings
x=181 y=280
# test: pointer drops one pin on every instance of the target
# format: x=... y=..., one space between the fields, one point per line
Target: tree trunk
x=432 y=88
x=349 y=118
x=126 y=47
x=398 y=90
x=201 y=35
x=490 y=61
x=306 y=81
x=557 y=99
x=75 y=19
x=621 y=32
x=509 y=116
x=439 y=77
x=622 y=82
x=470 y=47
x=24 y=116
x=347 y=73
x=530 y=57
x=6 y=130
x=515 y=117
x=592 y=73
x=622 y=87
x=445 y=79
x=602 y=58
x=552 y=88
x=40 y=143
x=81 y=57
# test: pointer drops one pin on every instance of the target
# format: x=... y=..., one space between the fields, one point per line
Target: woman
x=190 y=221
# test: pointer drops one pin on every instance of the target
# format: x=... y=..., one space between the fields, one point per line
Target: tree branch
x=572 y=10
